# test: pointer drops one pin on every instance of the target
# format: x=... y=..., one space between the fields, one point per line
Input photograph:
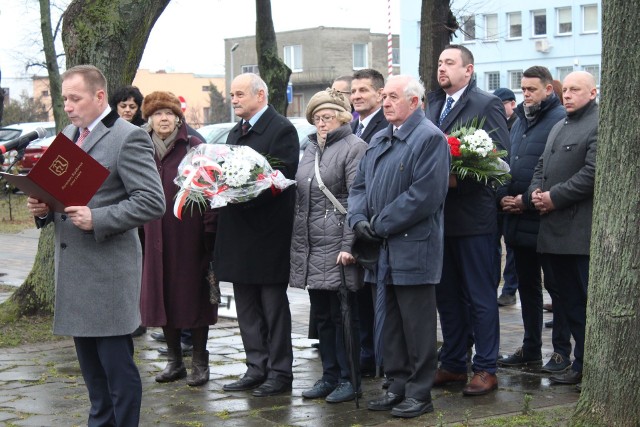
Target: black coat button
x=63 y=245
x=63 y=217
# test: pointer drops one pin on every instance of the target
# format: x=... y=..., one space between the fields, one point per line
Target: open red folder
x=64 y=176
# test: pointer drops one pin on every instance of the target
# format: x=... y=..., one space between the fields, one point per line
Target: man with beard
x=562 y=192
x=539 y=112
x=466 y=295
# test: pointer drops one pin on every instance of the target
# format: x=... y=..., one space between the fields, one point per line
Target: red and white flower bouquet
x=474 y=154
x=219 y=174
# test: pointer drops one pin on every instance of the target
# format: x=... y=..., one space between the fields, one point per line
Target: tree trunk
x=51 y=59
x=610 y=394
x=437 y=25
x=272 y=69
x=110 y=34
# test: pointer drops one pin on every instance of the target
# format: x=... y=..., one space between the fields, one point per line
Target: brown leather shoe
x=481 y=383
x=445 y=377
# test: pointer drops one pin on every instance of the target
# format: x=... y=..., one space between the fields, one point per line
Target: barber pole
x=389 y=42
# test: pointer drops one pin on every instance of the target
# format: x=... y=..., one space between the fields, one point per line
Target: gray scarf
x=531 y=111
x=162 y=146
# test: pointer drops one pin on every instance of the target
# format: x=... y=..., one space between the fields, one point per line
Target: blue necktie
x=446 y=110
x=360 y=129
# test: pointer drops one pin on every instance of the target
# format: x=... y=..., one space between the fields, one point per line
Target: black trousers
x=328 y=318
x=264 y=319
x=410 y=353
x=571 y=280
x=112 y=379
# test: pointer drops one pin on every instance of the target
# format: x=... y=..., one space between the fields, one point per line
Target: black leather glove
x=364 y=231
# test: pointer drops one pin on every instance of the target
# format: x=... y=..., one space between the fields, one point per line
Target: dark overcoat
x=377 y=123
x=253 y=238
x=177 y=254
x=567 y=169
x=528 y=139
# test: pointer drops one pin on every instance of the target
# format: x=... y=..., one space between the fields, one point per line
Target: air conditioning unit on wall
x=542 y=45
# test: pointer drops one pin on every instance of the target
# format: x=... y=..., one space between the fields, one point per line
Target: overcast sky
x=189 y=35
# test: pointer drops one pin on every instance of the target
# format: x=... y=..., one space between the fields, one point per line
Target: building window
x=491 y=27
x=250 y=69
x=594 y=70
x=515 y=80
x=293 y=57
x=564 y=20
x=515 y=25
x=539 y=19
x=468 y=28
x=360 y=56
x=492 y=80
x=562 y=72
x=205 y=88
x=44 y=93
x=590 y=18
x=395 y=54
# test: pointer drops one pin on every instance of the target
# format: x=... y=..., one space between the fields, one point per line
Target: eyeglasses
x=324 y=119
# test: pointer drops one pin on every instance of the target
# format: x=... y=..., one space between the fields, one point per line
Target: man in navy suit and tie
x=466 y=295
x=366 y=98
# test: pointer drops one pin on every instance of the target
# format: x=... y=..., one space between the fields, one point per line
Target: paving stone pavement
x=41 y=384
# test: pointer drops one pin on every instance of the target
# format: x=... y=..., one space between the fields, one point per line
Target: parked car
x=217 y=133
x=35 y=149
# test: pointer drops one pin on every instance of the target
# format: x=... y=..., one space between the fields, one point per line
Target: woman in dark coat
x=321 y=242
x=175 y=293
x=127 y=101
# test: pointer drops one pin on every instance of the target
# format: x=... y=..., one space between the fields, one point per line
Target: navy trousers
x=112 y=379
x=467 y=303
x=571 y=279
x=366 y=316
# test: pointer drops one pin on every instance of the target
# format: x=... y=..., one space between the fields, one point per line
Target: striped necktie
x=82 y=137
x=360 y=129
x=447 y=110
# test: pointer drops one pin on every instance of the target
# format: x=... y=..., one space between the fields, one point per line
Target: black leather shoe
x=410 y=408
x=386 y=403
x=271 y=387
x=244 y=383
x=158 y=336
x=569 y=377
x=387 y=382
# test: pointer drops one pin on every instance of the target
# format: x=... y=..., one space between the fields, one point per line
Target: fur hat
x=328 y=98
x=158 y=100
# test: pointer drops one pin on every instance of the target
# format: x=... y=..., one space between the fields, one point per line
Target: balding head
x=578 y=89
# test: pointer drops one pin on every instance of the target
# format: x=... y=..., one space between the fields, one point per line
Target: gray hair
x=257 y=84
x=412 y=88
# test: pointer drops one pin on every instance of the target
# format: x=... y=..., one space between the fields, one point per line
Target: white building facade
x=507 y=37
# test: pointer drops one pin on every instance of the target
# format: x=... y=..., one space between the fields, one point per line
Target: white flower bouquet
x=219 y=174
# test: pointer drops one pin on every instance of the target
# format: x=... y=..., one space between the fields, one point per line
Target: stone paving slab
x=41 y=385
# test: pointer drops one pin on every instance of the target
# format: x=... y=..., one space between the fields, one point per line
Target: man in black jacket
x=466 y=295
x=253 y=241
x=537 y=114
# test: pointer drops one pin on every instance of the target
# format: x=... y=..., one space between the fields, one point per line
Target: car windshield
x=7 y=134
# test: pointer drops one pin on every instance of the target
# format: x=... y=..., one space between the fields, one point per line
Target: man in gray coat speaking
x=398 y=197
x=98 y=258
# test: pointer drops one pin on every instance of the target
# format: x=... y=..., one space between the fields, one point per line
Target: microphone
x=23 y=141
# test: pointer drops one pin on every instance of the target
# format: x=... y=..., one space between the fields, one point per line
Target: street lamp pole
x=233 y=48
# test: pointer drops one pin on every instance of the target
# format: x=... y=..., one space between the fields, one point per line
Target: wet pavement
x=41 y=384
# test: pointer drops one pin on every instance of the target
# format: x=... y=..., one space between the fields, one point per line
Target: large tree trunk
x=273 y=70
x=51 y=59
x=110 y=34
x=610 y=394
x=437 y=24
